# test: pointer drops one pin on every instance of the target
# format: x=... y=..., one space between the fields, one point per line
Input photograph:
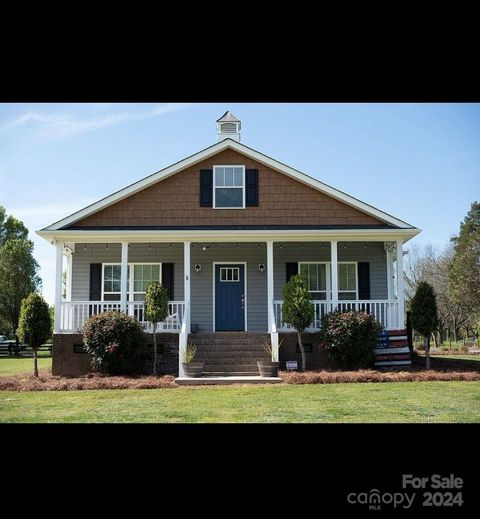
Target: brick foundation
x=316 y=356
x=68 y=359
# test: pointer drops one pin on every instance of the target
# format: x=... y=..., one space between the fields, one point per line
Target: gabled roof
x=213 y=150
x=228 y=117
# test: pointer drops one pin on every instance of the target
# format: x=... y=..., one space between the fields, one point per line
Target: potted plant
x=190 y=368
x=268 y=368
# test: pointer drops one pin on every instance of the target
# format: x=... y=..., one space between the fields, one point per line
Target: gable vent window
x=229 y=187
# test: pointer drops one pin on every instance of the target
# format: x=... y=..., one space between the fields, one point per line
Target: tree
x=297 y=308
x=464 y=269
x=424 y=315
x=34 y=324
x=18 y=278
x=156 y=311
x=11 y=228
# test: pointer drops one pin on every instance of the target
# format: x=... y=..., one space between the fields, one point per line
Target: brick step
x=230 y=353
x=229 y=348
x=221 y=338
x=229 y=361
x=230 y=367
x=231 y=374
x=226 y=344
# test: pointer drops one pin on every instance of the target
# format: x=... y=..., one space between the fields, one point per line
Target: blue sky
x=419 y=162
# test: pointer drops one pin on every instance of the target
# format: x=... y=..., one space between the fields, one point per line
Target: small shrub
x=350 y=338
x=116 y=343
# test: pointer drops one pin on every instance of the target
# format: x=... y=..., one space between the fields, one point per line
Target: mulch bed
x=47 y=382
x=442 y=370
x=370 y=375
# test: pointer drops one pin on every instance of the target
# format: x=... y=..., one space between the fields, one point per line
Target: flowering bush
x=116 y=343
x=350 y=338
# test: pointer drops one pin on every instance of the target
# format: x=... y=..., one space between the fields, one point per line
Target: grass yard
x=469 y=357
x=447 y=402
x=14 y=365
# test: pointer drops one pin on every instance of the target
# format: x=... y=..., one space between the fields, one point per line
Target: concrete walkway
x=201 y=381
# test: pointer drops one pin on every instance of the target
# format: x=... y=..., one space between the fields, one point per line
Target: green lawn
x=388 y=402
x=14 y=365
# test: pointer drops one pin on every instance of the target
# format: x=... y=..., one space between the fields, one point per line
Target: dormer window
x=228 y=187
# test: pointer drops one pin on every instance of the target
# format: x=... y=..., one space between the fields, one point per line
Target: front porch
x=233 y=284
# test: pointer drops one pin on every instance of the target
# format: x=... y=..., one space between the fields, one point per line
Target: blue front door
x=229 y=297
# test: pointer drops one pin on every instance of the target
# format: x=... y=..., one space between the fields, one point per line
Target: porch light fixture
x=85 y=246
x=261 y=267
x=197 y=268
x=106 y=246
x=149 y=246
x=171 y=245
x=365 y=244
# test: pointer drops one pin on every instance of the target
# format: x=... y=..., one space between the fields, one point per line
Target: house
x=223 y=230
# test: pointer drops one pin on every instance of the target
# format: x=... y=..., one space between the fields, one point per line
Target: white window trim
x=329 y=276
x=233 y=187
x=356 y=278
x=131 y=293
x=328 y=291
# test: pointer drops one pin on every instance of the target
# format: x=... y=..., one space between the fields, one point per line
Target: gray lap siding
x=202 y=284
x=316 y=251
x=137 y=253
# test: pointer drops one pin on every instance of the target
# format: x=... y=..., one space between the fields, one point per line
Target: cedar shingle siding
x=175 y=201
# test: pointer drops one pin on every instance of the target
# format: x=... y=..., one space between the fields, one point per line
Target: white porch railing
x=73 y=314
x=384 y=311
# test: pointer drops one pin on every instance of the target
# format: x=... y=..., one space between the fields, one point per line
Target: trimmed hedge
x=116 y=343
x=350 y=338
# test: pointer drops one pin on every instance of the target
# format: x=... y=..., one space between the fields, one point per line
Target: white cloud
x=64 y=125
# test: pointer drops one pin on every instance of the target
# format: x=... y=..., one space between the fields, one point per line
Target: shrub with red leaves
x=350 y=338
x=116 y=343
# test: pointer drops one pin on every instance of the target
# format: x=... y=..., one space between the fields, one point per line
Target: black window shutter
x=95 y=281
x=251 y=187
x=363 y=280
x=167 y=279
x=206 y=187
x=292 y=270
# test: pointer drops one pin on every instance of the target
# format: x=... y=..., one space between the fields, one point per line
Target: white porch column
x=58 y=286
x=400 y=285
x=271 y=317
x=183 y=336
x=389 y=274
x=272 y=327
x=69 y=277
x=334 y=271
x=124 y=277
x=186 y=283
